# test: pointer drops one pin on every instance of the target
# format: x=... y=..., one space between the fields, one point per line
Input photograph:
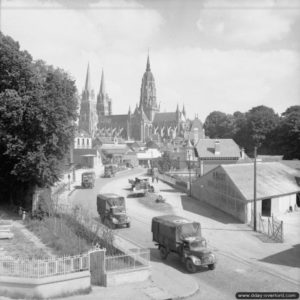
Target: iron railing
x=38 y=268
x=132 y=260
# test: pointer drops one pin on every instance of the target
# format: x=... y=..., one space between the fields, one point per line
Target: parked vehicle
x=88 y=179
x=140 y=186
x=110 y=170
x=112 y=210
x=182 y=236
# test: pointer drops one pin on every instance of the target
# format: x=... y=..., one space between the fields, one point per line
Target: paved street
x=242 y=261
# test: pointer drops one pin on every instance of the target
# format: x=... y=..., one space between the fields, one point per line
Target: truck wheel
x=128 y=225
x=191 y=268
x=212 y=266
x=163 y=253
x=113 y=225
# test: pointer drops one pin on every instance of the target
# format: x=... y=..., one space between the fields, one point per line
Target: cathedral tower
x=148 y=93
x=87 y=121
x=103 y=101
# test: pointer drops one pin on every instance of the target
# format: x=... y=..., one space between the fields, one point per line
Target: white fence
x=38 y=268
x=131 y=260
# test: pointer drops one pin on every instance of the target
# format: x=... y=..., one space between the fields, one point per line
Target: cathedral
x=145 y=123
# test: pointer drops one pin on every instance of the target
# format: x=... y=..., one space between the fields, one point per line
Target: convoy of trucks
x=179 y=235
x=88 y=179
x=112 y=210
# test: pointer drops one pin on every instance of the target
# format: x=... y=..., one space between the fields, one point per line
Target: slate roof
x=228 y=148
x=85 y=151
x=115 y=149
x=273 y=179
x=196 y=123
x=165 y=117
x=295 y=164
x=82 y=133
x=118 y=118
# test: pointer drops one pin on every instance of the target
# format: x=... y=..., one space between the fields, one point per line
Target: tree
x=287 y=139
x=261 y=122
x=37 y=113
x=219 y=125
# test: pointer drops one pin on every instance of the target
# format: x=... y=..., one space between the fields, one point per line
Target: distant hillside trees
x=260 y=127
x=37 y=112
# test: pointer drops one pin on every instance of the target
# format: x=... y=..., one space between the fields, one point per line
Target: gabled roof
x=228 y=148
x=273 y=179
x=165 y=117
x=152 y=144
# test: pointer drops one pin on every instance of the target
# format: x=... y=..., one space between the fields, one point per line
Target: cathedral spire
x=88 y=79
x=183 y=111
x=102 y=84
x=148 y=64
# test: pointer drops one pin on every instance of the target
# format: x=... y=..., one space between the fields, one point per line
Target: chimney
x=217 y=147
x=242 y=153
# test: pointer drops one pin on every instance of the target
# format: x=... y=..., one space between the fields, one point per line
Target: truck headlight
x=114 y=220
x=212 y=258
x=197 y=261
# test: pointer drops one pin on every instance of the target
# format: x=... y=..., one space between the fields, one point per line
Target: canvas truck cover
x=170 y=230
x=106 y=201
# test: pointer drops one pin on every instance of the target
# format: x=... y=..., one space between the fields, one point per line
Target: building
x=213 y=152
x=84 y=155
x=88 y=115
x=230 y=187
x=144 y=123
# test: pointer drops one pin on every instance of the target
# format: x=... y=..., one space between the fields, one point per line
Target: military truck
x=179 y=235
x=88 y=179
x=110 y=171
x=112 y=210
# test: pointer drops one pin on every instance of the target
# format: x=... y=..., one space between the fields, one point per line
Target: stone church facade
x=145 y=123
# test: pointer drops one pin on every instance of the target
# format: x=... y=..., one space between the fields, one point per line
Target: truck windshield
x=117 y=210
x=195 y=245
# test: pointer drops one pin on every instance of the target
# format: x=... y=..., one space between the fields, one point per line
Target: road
x=238 y=268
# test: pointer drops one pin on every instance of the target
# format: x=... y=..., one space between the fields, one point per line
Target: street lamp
x=190 y=178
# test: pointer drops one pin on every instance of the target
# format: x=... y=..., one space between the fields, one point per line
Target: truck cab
x=112 y=210
x=110 y=171
x=195 y=250
x=88 y=179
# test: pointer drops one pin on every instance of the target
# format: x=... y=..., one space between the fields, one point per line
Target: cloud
x=233 y=80
x=69 y=38
x=251 y=24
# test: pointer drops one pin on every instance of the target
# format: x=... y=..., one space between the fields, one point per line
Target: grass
x=66 y=236
x=57 y=235
x=21 y=246
x=150 y=201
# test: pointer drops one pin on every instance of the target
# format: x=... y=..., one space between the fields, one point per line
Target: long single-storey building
x=230 y=187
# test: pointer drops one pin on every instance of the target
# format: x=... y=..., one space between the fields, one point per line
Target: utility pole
x=190 y=178
x=254 y=224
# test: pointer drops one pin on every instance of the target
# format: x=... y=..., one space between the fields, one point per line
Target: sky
x=224 y=55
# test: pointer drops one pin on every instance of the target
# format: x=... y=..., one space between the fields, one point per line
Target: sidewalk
x=165 y=283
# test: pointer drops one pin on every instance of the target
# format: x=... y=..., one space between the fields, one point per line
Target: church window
x=78 y=142
x=87 y=141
